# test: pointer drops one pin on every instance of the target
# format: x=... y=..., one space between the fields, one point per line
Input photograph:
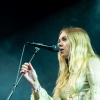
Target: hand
x=30 y=74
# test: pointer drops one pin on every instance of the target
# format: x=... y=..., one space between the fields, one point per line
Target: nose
x=60 y=44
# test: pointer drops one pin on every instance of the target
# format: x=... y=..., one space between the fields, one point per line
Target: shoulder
x=93 y=66
x=93 y=70
x=94 y=62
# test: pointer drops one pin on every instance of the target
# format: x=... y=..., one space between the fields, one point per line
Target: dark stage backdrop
x=23 y=22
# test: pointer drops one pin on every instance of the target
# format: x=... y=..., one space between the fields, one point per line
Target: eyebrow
x=61 y=38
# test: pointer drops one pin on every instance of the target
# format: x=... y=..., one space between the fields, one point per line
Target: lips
x=61 y=49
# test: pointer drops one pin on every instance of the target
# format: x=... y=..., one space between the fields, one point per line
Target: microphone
x=53 y=48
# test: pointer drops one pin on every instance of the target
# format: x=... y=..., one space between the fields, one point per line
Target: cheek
x=68 y=48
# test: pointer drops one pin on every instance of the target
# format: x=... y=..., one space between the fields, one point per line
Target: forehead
x=62 y=34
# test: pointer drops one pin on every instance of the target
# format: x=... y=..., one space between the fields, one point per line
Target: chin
x=64 y=56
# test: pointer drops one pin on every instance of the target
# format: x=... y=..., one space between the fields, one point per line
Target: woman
x=79 y=69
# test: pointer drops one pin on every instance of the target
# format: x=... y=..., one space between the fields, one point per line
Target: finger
x=27 y=64
x=24 y=66
x=30 y=66
x=24 y=71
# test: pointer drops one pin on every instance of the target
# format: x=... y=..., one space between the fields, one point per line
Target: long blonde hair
x=81 y=50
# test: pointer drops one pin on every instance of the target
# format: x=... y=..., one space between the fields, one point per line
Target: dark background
x=40 y=21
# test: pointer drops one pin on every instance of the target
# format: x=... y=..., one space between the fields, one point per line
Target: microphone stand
x=16 y=83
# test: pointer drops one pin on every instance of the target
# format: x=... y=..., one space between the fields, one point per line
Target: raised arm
x=38 y=93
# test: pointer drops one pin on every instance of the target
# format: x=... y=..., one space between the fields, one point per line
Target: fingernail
x=25 y=71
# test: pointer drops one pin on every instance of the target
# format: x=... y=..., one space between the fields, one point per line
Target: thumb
x=30 y=67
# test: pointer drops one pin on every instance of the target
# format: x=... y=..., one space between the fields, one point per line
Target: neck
x=67 y=61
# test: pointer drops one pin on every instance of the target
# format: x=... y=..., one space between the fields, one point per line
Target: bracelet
x=38 y=89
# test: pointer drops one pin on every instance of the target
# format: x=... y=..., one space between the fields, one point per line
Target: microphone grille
x=56 y=48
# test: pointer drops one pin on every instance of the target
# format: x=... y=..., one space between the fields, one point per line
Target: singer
x=79 y=69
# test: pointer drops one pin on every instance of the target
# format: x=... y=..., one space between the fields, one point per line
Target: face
x=64 y=45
